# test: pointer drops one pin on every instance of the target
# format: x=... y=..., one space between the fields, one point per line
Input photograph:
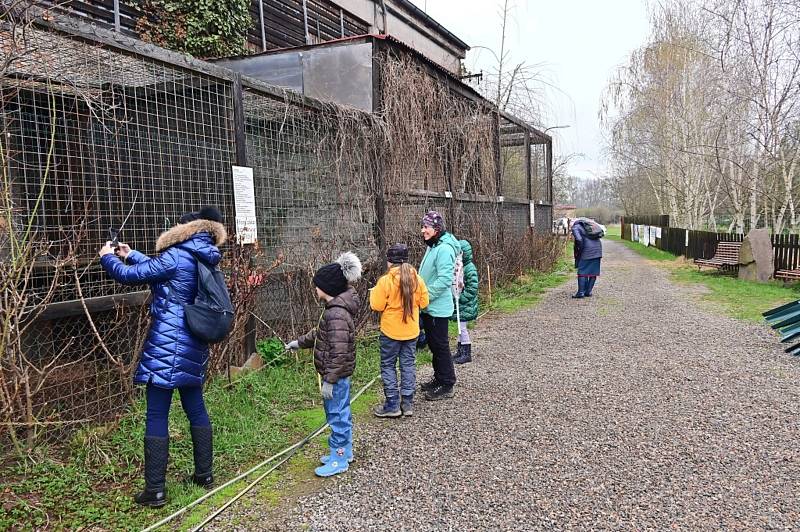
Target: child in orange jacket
x=398 y=296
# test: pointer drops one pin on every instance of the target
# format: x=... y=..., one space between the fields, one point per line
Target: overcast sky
x=578 y=42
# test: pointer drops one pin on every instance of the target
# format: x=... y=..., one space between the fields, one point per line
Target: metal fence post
x=263 y=25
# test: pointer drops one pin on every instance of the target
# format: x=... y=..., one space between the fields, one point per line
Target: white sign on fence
x=244 y=197
x=533 y=216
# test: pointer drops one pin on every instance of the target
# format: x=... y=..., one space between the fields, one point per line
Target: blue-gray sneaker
x=391 y=408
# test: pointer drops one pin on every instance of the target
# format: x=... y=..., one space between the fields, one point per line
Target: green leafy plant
x=272 y=352
x=202 y=28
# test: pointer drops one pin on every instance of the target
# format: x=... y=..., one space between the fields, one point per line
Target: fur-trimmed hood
x=183 y=232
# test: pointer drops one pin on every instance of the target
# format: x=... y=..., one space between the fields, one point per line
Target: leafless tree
x=704 y=116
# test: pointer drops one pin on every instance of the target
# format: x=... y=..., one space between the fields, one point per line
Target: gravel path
x=636 y=408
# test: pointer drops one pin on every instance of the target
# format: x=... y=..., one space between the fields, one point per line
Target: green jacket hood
x=466 y=250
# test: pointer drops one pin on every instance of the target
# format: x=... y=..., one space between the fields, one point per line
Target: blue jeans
x=338 y=415
x=160 y=399
x=405 y=351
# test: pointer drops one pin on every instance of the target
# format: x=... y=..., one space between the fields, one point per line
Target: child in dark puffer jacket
x=467 y=305
x=334 y=344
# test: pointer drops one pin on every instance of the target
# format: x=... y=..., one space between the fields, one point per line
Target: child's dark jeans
x=391 y=352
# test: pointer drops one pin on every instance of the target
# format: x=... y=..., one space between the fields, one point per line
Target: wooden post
x=529 y=176
x=489 y=282
x=549 y=170
x=117 y=23
x=380 y=171
x=240 y=141
x=305 y=21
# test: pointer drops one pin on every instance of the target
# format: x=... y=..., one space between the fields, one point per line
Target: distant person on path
x=437 y=270
x=588 y=253
x=467 y=305
x=334 y=343
x=398 y=296
x=173 y=358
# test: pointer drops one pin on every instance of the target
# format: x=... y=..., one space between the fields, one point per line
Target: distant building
x=564 y=211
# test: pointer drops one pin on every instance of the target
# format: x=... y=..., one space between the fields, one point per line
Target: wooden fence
x=787 y=252
x=703 y=244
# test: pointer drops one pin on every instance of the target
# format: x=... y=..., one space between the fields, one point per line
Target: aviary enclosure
x=96 y=125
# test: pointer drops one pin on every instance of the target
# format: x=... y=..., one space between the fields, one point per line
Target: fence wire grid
x=91 y=132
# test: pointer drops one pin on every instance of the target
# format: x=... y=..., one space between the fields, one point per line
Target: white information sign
x=533 y=215
x=244 y=197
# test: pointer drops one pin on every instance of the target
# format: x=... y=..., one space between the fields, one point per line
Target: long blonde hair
x=408 y=287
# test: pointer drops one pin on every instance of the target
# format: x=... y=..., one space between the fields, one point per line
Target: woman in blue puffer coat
x=172 y=357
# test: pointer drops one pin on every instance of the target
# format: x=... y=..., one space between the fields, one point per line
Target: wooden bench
x=725 y=257
x=788 y=275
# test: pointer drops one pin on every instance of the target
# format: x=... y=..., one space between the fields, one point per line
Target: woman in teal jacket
x=437 y=270
x=467 y=305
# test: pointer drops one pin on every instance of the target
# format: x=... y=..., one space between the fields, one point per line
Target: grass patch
x=649 y=253
x=744 y=300
x=89 y=482
x=529 y=288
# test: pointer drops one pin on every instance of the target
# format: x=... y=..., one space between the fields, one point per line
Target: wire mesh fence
x=93 y=130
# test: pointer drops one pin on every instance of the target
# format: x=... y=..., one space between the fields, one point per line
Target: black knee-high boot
x=203 y=449
x=156 y=456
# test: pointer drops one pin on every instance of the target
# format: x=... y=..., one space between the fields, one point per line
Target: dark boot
x=156 y=456
x=439 y=393
x=203 y=450
x=466 y=355
x=581 y=293
x=407 y=405
x=430 y=385
x=590 y=286
x=391 y=408
x=457 y=354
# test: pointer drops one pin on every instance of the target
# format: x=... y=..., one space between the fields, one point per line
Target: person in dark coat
x=172 y=357
x=588 y=253
x=334 y=344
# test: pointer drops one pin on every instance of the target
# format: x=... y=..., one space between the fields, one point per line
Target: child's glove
x=292 y=346
x=327 y=390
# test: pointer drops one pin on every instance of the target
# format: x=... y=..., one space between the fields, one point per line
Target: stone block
x=756 y=257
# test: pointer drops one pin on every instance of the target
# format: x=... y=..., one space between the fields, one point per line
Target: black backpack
x=592 y=229
x=210 y=317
